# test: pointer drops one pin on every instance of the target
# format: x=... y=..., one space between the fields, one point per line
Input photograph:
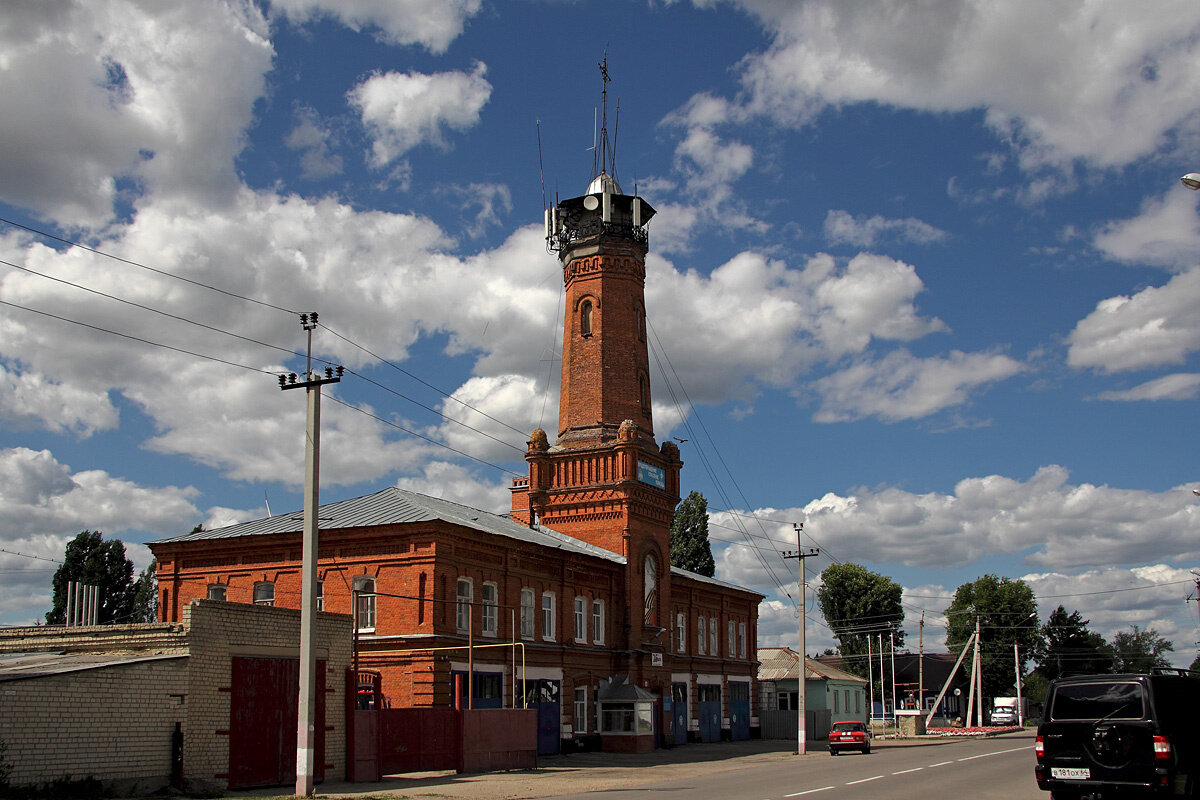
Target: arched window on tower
x=650 y=587
x=644 y=392
x=640 y=314
x=585 y=318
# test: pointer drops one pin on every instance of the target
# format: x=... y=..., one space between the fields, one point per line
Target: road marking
x=809 y=791
x=906 y=771
x=940 y=764
x=864 y=780
x=997 y=753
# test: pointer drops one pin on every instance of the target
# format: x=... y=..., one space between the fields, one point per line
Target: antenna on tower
x=603 y=155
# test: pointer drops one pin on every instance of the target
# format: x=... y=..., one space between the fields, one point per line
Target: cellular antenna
x=604 y=154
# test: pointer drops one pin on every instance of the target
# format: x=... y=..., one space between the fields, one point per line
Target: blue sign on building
x=655 y=476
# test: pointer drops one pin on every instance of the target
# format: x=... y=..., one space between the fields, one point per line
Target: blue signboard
x=648 y=473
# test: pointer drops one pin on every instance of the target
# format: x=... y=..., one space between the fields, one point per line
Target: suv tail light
x=1039 y=747
x=1162 y=748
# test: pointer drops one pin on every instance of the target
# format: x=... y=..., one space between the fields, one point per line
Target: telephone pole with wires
x=306 y=738
x=802 y=667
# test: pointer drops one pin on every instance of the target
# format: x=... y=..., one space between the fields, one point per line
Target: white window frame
x=701 y=635
x=581 y=619
x=731 y=637
x=580 y=723
x=319 y=595
x=597 y=621
x=714 y=637
x=741 y=640
x=462 y=604
x=216 y=591
x=260 y=597
x=490 y=624
x=528 y=612
x=364 y=585
x=548 y=616
x=680 y=632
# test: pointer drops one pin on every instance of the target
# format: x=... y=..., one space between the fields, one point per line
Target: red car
x=849 y=736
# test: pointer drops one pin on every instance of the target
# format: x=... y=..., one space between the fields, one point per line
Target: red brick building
x=612 y=640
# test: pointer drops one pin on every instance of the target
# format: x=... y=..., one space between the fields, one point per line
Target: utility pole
x=921 y=665
x=306 y=738
x=802 y=668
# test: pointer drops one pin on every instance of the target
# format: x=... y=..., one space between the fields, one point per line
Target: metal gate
x=419 y=739
x=544 y=695
x=263 y=703
x=739 y=710
x=708 y=709
x=679 y=709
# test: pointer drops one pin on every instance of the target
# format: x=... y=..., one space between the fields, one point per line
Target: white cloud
x=1065 y=66
x=901 y=386
x=453 y=482
x=404 y=110
x=1166 y=233
x=1155 y=327
x=31 y=401
x=861 y=231
x=1180 y=386
x=129 y=102
x=311 y=138
x=433 y=24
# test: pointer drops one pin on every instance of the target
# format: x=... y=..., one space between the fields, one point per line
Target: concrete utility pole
x=306 y=737
x=802 y=668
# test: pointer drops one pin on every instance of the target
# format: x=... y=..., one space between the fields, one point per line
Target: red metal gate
x=264 y=697
x=420 y=739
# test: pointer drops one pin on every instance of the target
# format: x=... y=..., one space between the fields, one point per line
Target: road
x=978 y=768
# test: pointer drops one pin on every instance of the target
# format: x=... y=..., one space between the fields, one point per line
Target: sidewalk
x=589 y=772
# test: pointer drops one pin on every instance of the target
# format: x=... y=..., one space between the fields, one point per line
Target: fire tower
x=605 y=480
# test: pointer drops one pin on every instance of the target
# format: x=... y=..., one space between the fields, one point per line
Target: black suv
x=1120 y=736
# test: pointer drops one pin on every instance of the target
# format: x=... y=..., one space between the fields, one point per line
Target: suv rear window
x=1101 y=700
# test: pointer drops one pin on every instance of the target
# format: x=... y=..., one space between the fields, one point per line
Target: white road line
x=809 y=791
x=940 y=764
x=906 y=771
x=864 y=780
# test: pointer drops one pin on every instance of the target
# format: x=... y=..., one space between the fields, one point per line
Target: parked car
x=1120 y=735
x=849 y=736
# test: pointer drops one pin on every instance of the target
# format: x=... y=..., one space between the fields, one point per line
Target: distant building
x=612 y=640
x=831 y=694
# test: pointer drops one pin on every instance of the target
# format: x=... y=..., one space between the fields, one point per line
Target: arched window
x=585 y=318
x=640 y=314
x=650 y=587
x=364 y=585
x=264 y=594
x=644 y=392
x=216 y=591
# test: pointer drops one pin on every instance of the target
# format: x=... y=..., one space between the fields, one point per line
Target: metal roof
x=780 y=664
x=395 y=506
x=23 y=666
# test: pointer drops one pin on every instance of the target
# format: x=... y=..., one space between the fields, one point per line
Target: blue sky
x=922 y=277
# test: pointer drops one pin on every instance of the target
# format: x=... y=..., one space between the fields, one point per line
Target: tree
x=145 y=594
x=1005 y=609
x=1195 y=668
x=1071 y=648
x=1139 y=651
x=689 y=537
x=858 y=603
x=94 y=562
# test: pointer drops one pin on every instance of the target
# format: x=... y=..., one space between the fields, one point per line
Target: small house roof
x=781 y=664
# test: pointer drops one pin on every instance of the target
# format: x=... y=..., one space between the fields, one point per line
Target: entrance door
x=739 y=711
x=263 y=710
x=709 y=712
x=488 y=689
x=544 y=695
x=679 y=709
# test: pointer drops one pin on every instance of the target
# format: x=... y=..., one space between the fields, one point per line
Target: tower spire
x=604 y=154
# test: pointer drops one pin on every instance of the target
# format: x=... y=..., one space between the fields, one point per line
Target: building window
x=787 y=701
x=364 y=587
x=581 y=718
x=490 y=612
x=216 y=591
x=597 y=622
x=581 y=619
x=465 y=594
x=644 y=392
x=741 y=640
x=731 y=640
x=681 y=632
x=700 y=635
x=585 y=318
x=548 y=616
x=650 y=587
x=319 y=595
x=837 y=705
x=714 y=635
x=640 y=313
x=527 y=613
x=264 y=593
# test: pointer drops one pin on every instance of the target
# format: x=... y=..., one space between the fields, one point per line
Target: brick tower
x=605 y=480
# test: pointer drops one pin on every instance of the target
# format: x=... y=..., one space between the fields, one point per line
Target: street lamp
x=1191 y=180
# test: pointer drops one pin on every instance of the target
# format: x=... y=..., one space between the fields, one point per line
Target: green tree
x=145 y=594
x=94 y=562
x=689 y=536
x=1195 y=668
x=858 y=603
x=1005 y=609
x=1136 y=650
x=1071 y=648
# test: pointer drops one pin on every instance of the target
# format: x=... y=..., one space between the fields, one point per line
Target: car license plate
x=1070 y=773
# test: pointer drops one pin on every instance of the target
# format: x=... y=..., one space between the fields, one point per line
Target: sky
x=922 y=277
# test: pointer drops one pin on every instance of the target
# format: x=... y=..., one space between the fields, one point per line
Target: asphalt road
x=976 y=768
